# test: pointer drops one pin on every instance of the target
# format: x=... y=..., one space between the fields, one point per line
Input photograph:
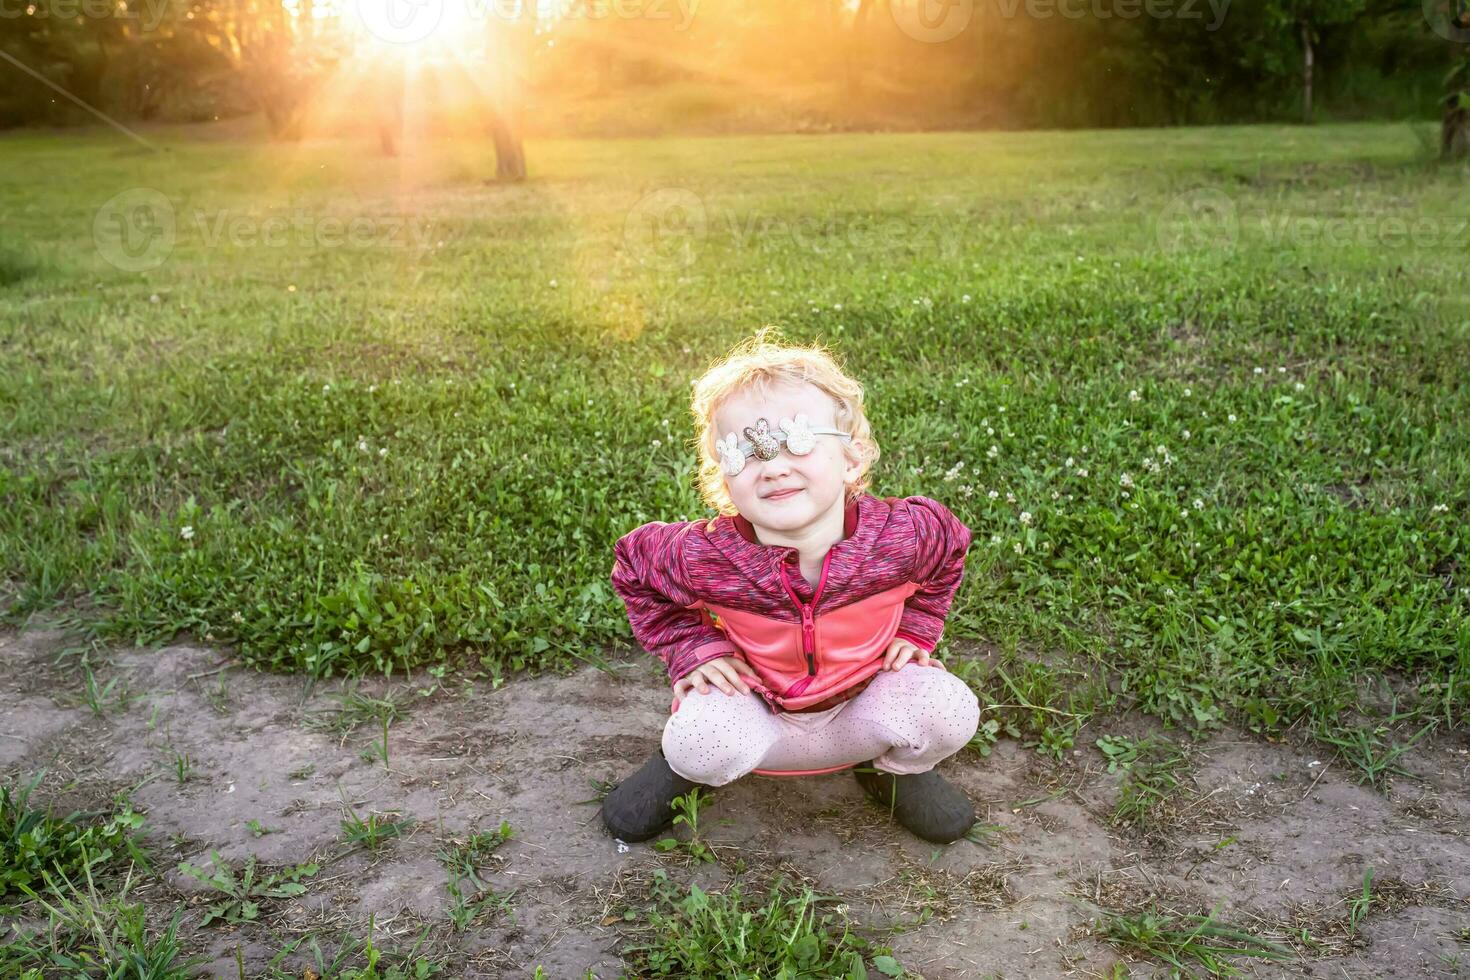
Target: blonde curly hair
x=758 y=363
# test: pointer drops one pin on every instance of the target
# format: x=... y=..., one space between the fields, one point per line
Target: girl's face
x=789 y=493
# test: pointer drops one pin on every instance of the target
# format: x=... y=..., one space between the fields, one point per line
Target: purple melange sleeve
x=667 y=617
x=940 y=543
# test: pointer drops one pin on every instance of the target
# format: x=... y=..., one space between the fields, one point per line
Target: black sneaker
x=925 y=803
x=639 y=807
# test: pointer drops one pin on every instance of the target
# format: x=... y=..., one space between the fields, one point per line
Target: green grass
x=419 y=449
x=707 y=935
x=464 y=859
x=1187 y=942
x=88 y=933
x=239 y=894
x=373 y=831
x=353 y=959
x=36 y=844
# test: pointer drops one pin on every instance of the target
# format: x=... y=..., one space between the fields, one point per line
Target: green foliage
x=374 y=830
x=463 y=859
x=702 y=935
x=686 y=812
x=34 y=843
x=243 y=891
x=88 y=934
x=1187 y=942
x=1258 y=574
x=1150 y=778
x=1366 y=751
x=354 y=959
x=1360 y=906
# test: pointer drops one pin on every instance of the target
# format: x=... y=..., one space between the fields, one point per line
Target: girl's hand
x=900 y=652
x=726 y=673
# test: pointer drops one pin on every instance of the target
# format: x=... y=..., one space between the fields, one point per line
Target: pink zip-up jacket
x=700 y=590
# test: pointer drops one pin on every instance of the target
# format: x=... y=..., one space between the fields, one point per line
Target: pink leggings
x=906 y=721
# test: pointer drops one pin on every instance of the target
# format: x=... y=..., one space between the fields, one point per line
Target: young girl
x=797 y=626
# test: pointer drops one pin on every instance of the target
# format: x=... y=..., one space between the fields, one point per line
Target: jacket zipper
x=808 y=615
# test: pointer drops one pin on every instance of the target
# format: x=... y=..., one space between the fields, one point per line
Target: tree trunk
x=1454 y=133
x=855 y=59
x=1306 y=72
x=510 y=155
x=505 y=114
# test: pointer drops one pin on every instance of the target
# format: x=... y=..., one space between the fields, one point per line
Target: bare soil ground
x=1300 y=829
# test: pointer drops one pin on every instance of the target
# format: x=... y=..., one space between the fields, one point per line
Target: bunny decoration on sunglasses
x=764 y=443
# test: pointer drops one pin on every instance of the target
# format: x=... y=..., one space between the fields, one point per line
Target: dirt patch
x=1274 y=835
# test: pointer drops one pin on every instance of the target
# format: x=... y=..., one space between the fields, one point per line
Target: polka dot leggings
x=906 y=721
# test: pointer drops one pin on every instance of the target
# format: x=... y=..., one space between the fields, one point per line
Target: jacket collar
x=849 y=523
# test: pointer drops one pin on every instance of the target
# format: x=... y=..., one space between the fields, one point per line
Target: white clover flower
x=235 y=617
x=1081 y=471
x=1025 y=517
x=993 y=494
x=326 y=388
x=1168 y=591
x=1126 y=480
x=1069 y=462
x=382 y=452
x=992 y=452
x=1231 y=417
x=362 y=445
x=1199 y=504
x=657 y=443
x=1185 y=433
x=1056 y=494
x=1299 y=386
x=187 y=532
x=1134 y=396
x=989 y=431
x=1018 y=547
x=1281 y=369
x=1439 y=508
x=1002 y=408
x=1160 y=451
x=1126 y=494
x=1010 y=497
x=1260 y=370
x=995 y=539
x=1187 y=392
x=1184 y=515
x=965 y=298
